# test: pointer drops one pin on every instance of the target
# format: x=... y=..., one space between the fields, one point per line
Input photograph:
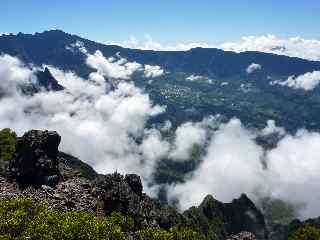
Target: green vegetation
x=22 y=219
x=308 y=232
x=8 y=141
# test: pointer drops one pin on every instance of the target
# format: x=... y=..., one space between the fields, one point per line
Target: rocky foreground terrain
x=39 y=171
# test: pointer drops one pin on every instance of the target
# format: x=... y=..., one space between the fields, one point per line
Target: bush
x=22 y=218
x=308 y=232
x=8 y=141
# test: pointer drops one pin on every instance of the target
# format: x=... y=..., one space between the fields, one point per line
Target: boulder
x=36 y=158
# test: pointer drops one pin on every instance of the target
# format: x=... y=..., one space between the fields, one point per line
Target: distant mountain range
x=49 y=47
x=212 y=81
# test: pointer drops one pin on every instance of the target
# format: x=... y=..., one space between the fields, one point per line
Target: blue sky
x=166 y=21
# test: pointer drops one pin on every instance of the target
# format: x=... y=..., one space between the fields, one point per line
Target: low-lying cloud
x=97 y=125
x=292 y=47
x=253 y=67
x=153 y=71
x=307 y=81
x=235 y=164
x=106 y=127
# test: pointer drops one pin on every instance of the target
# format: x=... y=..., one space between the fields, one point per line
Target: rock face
x=46 y=80
x=219 y=220
x=125 y=194
x=117 y=194
x=35 y=160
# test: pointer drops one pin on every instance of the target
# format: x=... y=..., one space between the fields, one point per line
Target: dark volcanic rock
x=35 y=160
x=46 y=80
x=125 y=194
x=117 y=194
x=242 y=215
x=219 y=220
x=135 y=183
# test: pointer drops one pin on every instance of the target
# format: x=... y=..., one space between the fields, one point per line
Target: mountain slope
x=50 y=48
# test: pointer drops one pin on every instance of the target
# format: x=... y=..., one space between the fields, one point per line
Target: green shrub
x=22 y=218
x=308 y=232
x=8 y=141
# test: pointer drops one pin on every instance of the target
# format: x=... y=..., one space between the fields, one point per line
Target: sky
x=168 y=21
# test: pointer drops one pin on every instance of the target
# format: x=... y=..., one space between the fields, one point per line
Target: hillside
x=219 y=82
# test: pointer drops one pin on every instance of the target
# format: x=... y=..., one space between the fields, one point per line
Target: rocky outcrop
x=219 y=220
x=117 y=194
x=36 y=158
x=125 y=194
x=47 y=81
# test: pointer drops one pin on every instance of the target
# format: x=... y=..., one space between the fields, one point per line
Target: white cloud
x=231 y=167
x=97 y=125
x=101 y=126
x=292 y=47
x=149 y=43
x=294 y=167
x=235 y=163
x=13 y=74
x=115 y=67
x=194 y=77
x=118 y=69
x=189 y=134
x=253 y=67
x=153 y=71
x=154 y=148
x=307 y=81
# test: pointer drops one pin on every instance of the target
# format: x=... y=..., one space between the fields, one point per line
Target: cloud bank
x=292 y=47
x=97 y=125
x=235 y=163
x=307 y=81
x=106 y=127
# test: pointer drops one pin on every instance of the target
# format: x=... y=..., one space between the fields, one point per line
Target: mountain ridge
x=189 y=61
